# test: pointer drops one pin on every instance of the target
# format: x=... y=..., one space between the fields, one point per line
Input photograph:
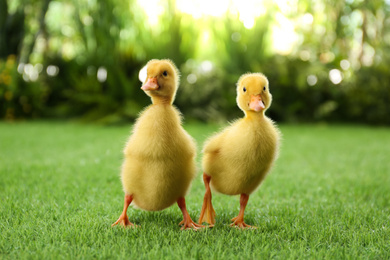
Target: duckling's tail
x=207 y=213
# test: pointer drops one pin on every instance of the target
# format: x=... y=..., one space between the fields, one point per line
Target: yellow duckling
x=237 y=160
x=159 y=160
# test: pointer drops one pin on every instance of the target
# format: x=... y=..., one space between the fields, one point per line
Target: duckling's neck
x=161 y=100
x=254 y=116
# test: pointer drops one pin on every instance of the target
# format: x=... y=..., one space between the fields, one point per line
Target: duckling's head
x=253 y=93
x=162 y=81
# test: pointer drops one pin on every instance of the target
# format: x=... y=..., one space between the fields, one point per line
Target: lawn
x=327 y=197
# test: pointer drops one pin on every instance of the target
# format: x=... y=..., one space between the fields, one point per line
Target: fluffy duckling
x=159 y=160
x=236 y=160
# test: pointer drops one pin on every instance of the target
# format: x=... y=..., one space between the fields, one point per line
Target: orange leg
x=207 y=214
x=187 y=221
x=123 y=219
x=239 y=220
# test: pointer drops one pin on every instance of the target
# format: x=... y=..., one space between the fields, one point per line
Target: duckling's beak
x=151 y=84
x=256 y=103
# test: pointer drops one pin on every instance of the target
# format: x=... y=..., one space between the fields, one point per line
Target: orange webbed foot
x=207 y=214
x=124 y=221
x=239 y=223
x=239 y=220
x=187 y=221
x=189 y=224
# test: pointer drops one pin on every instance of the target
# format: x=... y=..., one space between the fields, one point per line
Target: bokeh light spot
x=304 y=55
x=52 y=70
x=102 y=74
x=344 y=64
x=206 y=66
x=312 y=80
x=335 y=76
x=191 y=78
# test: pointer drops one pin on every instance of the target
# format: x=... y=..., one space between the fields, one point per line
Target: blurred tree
x=326 y=60
x=41 y=9
x=11 y=30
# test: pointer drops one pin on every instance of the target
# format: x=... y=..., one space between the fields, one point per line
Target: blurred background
x=326 y=60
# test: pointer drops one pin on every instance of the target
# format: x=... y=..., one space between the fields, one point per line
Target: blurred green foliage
x=71 y=58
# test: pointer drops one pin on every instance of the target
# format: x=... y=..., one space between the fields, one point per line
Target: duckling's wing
x=214 y=143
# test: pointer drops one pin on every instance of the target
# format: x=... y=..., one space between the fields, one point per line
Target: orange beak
x=256 y=103
x=151 y=84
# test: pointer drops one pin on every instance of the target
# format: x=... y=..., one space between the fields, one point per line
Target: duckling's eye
x=244 y=89
x=264 y=88
x=165 y=73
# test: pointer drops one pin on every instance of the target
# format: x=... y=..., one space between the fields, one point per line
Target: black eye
x=264 y=88
x=244 y=89
x=165 y=73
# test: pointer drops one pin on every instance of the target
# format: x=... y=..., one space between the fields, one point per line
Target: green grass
x=327 y=197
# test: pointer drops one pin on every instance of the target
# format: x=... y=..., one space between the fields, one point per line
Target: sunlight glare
x=287 y=6
x=205 y=36
x=248 y=10
x=198 y=8
x=283 y=35
x=307 y=19
x=153 y=9
x=283 y=32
